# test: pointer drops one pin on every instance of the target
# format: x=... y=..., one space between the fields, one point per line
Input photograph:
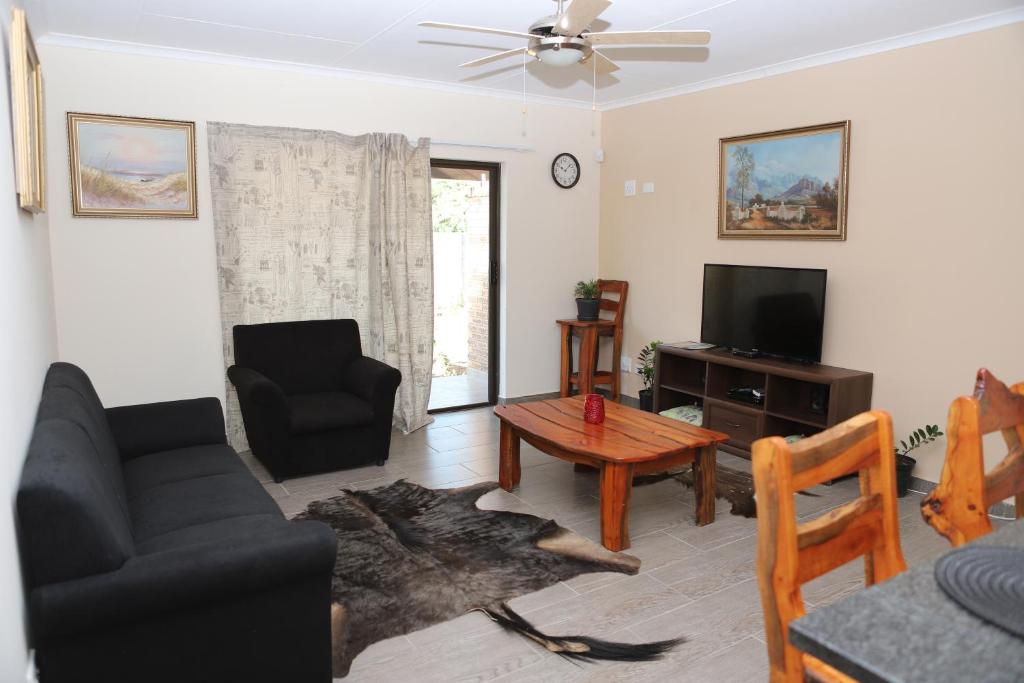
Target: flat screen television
x=771 y=311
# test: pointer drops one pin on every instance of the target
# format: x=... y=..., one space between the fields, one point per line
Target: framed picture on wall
x=27 y=116
x=123 y=167
x=787 y=184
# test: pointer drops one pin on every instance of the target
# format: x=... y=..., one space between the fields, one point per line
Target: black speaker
x=819 y=400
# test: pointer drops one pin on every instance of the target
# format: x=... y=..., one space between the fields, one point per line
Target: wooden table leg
x=508 y=464
x=563 y=386
x=588 y=349
x=704 y=474
x=616 y=485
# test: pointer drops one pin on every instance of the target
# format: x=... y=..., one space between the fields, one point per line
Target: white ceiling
x=749 y=37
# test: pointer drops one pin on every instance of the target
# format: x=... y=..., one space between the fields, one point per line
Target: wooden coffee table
x=629 y=442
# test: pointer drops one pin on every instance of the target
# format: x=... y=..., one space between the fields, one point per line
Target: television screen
x=774 y=311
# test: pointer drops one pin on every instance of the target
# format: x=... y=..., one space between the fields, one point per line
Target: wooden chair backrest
x=791 y=554
x=617 y=307
x=958 y=506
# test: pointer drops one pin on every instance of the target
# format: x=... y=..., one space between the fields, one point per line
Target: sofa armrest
x=371 y=380
x=151 y=427
x=257 y=388
x=185 y=578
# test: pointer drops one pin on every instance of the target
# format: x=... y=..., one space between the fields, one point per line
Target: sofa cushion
x=321 y=412
x=69 y=521
x=180 y=504
x=68 y=395
x=226 y=530
x=301 y=357
x=166 y=467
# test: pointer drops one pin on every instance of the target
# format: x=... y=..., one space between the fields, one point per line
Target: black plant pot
x=904 y=467
x=587 y=309
x=646 y=400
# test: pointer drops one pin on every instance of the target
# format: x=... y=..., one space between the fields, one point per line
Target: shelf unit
x=799 y=399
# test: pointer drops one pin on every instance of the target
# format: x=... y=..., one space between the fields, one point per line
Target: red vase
x=593 y=409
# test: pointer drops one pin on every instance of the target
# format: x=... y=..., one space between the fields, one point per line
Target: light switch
x=630 y=188
x=648 y=188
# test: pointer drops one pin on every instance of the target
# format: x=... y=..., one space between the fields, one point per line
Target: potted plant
x=904 y=463
x=645 y=368
x=587 y=304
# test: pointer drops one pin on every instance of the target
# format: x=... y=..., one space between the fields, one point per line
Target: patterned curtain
x=312 y=224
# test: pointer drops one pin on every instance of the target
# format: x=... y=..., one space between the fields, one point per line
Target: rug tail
x=582 y=647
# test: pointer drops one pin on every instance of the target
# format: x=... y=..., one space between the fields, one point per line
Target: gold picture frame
x=27 y=115
x=785 y=184
x=130 y=167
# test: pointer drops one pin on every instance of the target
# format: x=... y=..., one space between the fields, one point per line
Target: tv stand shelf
x=800 y=399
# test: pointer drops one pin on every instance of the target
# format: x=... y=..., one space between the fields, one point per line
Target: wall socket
x=625 y=365
x=630 y=188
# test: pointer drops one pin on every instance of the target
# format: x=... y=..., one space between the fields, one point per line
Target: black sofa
x=311 y=401
x=151 y=553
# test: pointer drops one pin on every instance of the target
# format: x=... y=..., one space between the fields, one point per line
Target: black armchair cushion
x=301 y=357
x=166 y=467
x=177 y=505
x=321 y=412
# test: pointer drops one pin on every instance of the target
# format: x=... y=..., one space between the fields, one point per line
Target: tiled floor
x=459 y=390
x=696 y=582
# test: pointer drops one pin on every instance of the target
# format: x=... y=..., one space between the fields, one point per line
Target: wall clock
x=565 y=170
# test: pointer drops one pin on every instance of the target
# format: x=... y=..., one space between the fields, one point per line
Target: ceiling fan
x=562 y=39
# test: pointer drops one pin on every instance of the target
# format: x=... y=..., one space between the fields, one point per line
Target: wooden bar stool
x=791 y=554
x=958 y=506
x=590 y=332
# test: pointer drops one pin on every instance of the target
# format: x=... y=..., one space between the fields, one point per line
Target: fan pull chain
x=524 y=93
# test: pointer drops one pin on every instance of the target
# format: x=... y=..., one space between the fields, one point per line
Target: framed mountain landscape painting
x=788 y=184
x=124 y=167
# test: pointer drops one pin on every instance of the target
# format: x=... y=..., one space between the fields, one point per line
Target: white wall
x=137 y=302
x=925 y=289
x=27 y=345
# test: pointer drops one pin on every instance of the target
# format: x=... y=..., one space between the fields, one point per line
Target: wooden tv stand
x=799 y=399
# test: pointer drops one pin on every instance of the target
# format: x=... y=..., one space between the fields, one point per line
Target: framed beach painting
x=124 y=167
x=788 y=184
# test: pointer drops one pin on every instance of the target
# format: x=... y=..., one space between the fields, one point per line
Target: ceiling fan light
x=560 y=56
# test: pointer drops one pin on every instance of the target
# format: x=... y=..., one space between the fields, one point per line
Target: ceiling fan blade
x=495 y=57
x=476 y=29
x=649 y=37
x=604 y=65
x=579 y=16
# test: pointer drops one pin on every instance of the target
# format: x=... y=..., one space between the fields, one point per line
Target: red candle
x=593 y=409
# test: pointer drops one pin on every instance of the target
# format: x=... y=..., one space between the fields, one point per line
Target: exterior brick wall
x=476 y=285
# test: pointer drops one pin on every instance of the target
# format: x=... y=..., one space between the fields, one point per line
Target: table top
x=907 y=630
x=626 y=435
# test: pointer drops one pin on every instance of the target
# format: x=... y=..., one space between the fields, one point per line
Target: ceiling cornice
x=982 y=23
x=130 y=48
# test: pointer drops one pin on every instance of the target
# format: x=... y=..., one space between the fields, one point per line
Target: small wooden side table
x=589 y=332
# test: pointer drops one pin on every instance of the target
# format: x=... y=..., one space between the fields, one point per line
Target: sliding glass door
x=465 y=197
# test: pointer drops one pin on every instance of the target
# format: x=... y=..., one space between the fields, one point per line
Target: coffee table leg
x=616 y=484
x=704 y=473
x=508 y=464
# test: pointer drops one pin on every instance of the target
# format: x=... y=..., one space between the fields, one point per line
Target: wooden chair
x=958 y=506
x=791 y=554
x=589 y=334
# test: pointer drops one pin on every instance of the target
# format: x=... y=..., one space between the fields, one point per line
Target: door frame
x=494 y=277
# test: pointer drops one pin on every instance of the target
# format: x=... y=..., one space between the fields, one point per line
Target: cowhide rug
x=410 y=557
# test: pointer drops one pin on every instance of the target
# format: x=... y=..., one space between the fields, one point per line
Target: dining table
x=907 y=629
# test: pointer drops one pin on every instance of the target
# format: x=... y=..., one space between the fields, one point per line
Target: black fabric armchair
x=311 y=402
